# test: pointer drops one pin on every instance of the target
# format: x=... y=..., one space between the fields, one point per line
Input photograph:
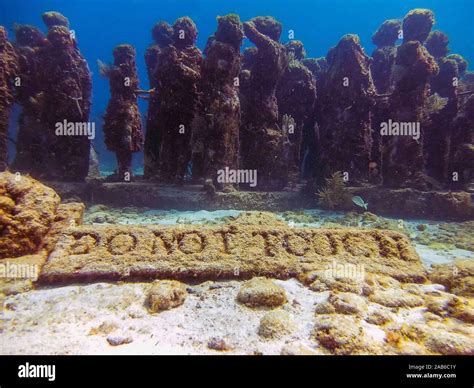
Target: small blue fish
x=360 y=202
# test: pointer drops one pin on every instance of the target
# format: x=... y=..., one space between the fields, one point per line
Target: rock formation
x=162 y=34
x=179 y=71
x=67 y=86
x=264 y=144
x=216 y=130
x=122 y=120
x=346 y=102
x=8 y=70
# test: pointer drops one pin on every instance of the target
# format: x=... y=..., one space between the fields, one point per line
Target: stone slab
x=89 y=253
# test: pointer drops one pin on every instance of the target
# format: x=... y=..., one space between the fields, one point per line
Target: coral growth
x=334 y=194
x=27 y=211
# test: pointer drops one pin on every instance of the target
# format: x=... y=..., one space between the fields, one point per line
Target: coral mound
x=27 y=210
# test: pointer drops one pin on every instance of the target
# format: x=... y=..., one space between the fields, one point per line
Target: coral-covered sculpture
x=67 y=86
x=438 y=133
x=162 y=34
x=345 y=111
x=178 y=71
x=437 y=44
x=385 y=53
x=461 y=62
x=461 y=167
x=217 y=128
x=53 y=18
x=264 y=145
x=31 y=140
x=403 y=157
x=122 y=120
x=383 y=61
x=417 y=25
x=296 y=96
x=8 y=71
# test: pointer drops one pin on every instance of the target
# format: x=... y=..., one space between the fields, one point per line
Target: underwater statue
x=247 y=61
x=216 y=128
x=403 y=155
x=264 y=145
x=384 y=55
x=162 y=34
x=8 y=71
x=178 y=71
x=67 y=86
x=437 y=44
x=403 y=161
x=443 y=108
x=296 y=96
x=383 y=62
x=122 y=120
x=318 y=67
x=345 y=104
x=461 y=158
x=31 y=140
x=417 y=25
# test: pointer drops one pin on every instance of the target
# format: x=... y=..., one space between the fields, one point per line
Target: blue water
x=102 y=24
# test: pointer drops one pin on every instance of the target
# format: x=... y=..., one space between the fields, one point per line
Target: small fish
x=360 y=202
